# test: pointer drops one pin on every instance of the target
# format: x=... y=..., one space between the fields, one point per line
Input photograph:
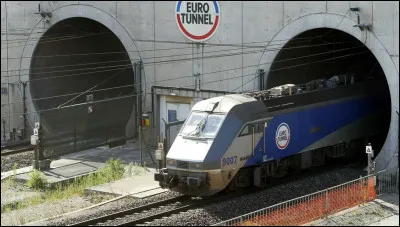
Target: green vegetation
x=113 y=170
x=37 y=181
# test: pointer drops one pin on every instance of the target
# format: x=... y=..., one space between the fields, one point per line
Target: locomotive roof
x=225 y=103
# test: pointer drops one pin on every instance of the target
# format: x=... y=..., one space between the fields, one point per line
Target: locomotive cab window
x=260 y=127
x=254 y=128
x=245 y=131
x=202 y=124
x=257 y=127
x=212 y=125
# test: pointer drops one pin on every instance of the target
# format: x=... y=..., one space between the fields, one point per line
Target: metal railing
x=320 y=204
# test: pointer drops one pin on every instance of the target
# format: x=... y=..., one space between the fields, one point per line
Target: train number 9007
x=229 y=161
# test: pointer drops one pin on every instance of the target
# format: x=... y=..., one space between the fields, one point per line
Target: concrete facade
x=140 y=25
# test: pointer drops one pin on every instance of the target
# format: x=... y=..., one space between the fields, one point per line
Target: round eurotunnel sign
x=282 y=136
x=197 y=20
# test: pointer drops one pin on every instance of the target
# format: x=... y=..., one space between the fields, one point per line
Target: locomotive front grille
x=182 y=165
x=192 y=181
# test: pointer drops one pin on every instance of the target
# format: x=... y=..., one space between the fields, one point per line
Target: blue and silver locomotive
x=240 y=140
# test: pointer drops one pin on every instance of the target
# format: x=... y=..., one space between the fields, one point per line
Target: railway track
x=133 y=211
x=186 y=205
x=19 y=150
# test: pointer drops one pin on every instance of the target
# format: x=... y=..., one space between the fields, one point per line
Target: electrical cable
x=118 y=73
x=167 y=61
x=51 y=41
x=165 y=41
x=60 y=38
x=333 y=29
x=51 y=38
x=129 y=65
x=124 y=52
x=204 y=82
x=300 y=65
x=207 y=73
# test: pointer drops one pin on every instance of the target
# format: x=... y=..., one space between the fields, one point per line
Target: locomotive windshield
x=201 y=124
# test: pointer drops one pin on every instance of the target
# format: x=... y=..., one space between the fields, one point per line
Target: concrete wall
x=241 y=23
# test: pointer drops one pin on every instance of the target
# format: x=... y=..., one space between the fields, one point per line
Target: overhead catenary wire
x=91 y=34
x=124 y=52
x=185 y=59
x=183 y=77
x=82 y=93
x=60 y=38
x=252 y=74
x=158 y=41
x=51 y=41
x=187 y=76
x=109 y=53
x=297 y=66
x=191 y=43
x=129 y=65
x=181 y=59
x=52 y=38
x=35 y=28
x=112 y=66
x=20 y=29
x=118 y=52
x=45 y=38
x=20 y=34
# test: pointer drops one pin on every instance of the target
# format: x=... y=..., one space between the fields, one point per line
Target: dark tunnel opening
x=344 y=55
x=79 y=60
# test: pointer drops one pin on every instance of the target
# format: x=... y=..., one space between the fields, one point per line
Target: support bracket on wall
x=197 y=81
x=45 y=14
x=362 y=27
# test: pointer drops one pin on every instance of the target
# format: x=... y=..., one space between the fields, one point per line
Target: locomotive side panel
x=300 y=131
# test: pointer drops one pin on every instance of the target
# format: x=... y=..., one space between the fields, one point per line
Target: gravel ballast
x=20 y=217
x=22 y=159
x=114 y=206
x=226 y=210
x=12 y=192
x=215 y=213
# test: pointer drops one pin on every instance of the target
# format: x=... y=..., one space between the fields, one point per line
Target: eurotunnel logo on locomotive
x=197 y=20
x=282 y=136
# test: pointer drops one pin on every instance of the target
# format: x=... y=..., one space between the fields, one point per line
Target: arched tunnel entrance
x=82 y=84
x=345 y=57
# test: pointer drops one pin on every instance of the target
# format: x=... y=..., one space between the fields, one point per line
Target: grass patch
x=113 y=170
x=37 y=181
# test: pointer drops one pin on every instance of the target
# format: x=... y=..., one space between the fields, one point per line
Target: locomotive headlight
x=196 y=165
x=171 y=163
